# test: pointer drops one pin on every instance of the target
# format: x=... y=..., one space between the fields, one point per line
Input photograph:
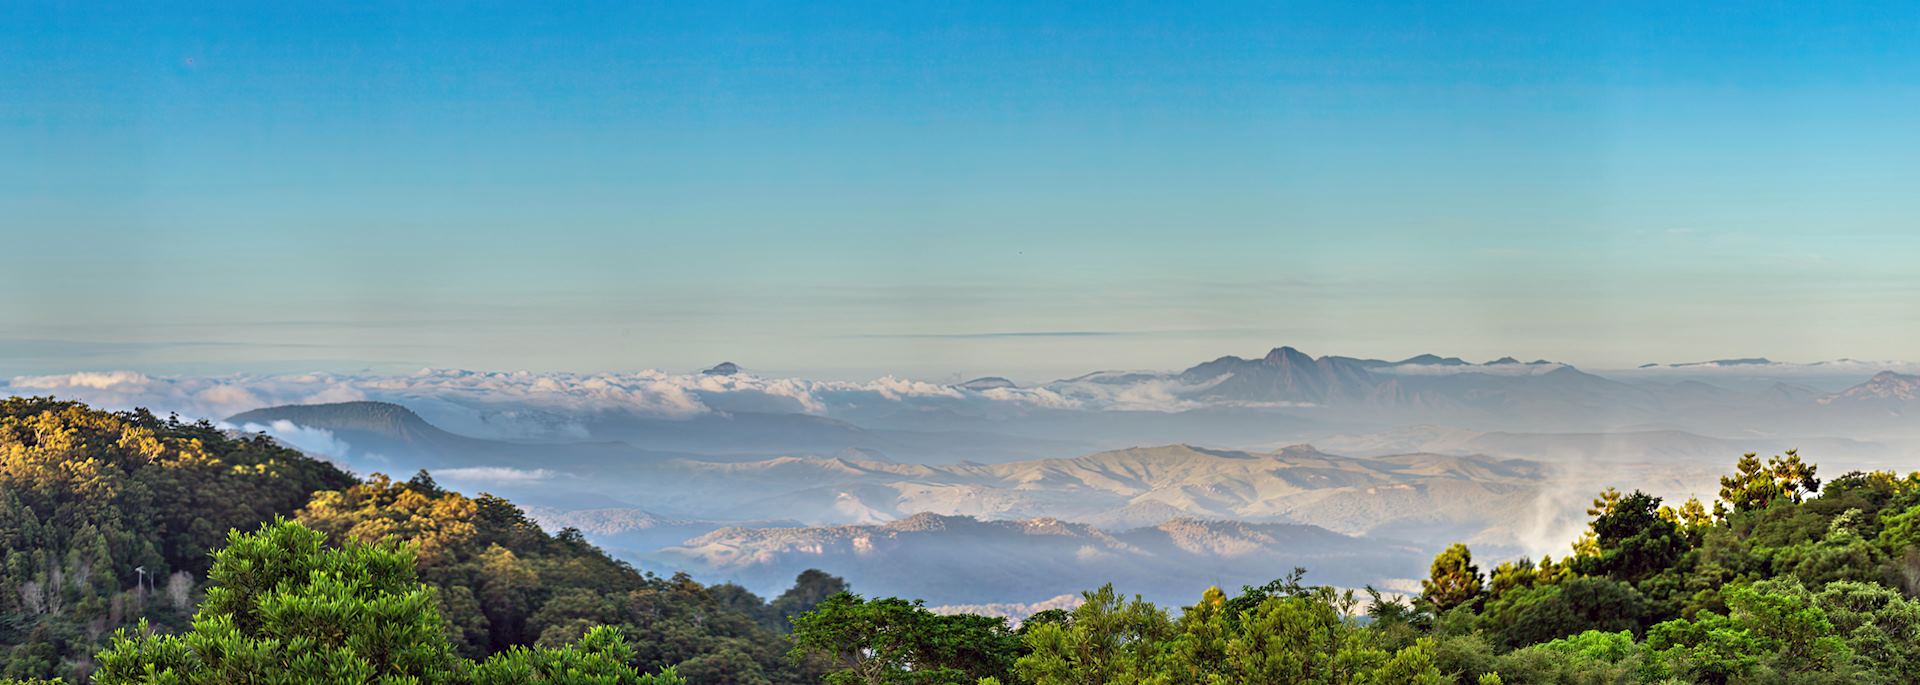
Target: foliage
x=100 y=512
x=503 y=582
x=1779 y=581
x=1107 y=639
x=284 y=608
x=1297 y=634
x=1782 y=582
x=896 y=642
x=1455 y=580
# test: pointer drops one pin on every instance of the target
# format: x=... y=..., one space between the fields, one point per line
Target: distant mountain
x=1433 y=360
x=987 y=383
x=1638 y=446
x=1285 y=375
x=1748 y=361
x=1416 y=494
x=1884 y=389
x=960 y=559
x=382 y=418
x=393 y=431
x=632 y=532
x=1504 y=389
x=723 y=369
x=396 y=432
x=1755 y=373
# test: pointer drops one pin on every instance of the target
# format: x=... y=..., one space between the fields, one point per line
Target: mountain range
x=920 y=486
x=961 y=559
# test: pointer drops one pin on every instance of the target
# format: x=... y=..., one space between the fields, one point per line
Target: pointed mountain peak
x=1287 y=354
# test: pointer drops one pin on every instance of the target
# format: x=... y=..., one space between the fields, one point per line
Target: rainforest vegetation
x=107 y=521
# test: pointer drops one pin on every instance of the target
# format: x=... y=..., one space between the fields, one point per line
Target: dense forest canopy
x=107 y=520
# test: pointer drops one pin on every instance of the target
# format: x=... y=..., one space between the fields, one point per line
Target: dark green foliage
x=1634 y=541
x=1785 y=583
x=810 y=589
x=1549 y=612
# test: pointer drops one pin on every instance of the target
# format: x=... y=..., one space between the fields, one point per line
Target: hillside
x=107 y=519
x=963 y=560
x=1126 y=488
x=99 y=510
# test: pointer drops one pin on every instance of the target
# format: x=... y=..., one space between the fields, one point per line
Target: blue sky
x=1027 y=189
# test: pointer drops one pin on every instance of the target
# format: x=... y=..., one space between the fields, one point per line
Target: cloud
x=190 y=396
x=560 y=405
x=1762 y=368
x=317 y=442
x=85 y=379
x=494 y=474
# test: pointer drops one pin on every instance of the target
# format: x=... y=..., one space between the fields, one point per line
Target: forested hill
x=108 y=518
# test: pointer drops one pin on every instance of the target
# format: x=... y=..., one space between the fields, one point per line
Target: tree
x=1547 y=612
x=1454 y=581
x=1775 y=628
x=602 y=656
x=1754 y=486
x=284 y=608
x=96 y=507
x=810 y=588
x=891 y=641
x=1510 y=575
x=1107 y=639
x=1633 y=541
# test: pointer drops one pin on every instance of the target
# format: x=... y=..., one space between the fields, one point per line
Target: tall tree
x=1453 y=580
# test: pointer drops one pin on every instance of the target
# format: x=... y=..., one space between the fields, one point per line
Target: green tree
x=1107 y=639
x=1454 y=579
x=810 y=588
x=1632 y=541
x=93 y=503
x=1548 y=612
x=1755 y=485
x=892 y=641
x=284 y=608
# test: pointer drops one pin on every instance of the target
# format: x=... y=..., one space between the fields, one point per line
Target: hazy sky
x=952 y=188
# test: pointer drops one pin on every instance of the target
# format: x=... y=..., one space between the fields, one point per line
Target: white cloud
x=493 y=474
x=318 y=442
x=1773 y=369
x=111 y=380
x=556 y=405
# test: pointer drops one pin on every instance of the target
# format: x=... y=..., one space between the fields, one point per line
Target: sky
x=943 y=190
